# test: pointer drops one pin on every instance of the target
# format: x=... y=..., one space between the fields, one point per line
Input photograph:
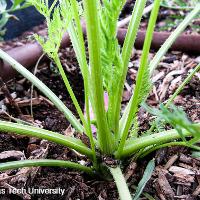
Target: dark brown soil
x=176 y=175
x=76 y=185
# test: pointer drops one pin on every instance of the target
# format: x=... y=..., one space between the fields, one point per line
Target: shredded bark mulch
x=176 y=175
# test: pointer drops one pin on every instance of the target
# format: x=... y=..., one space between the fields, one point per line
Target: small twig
x=7 y=94
x=32 y=86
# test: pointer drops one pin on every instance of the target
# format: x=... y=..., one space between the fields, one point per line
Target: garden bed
x=176 y=175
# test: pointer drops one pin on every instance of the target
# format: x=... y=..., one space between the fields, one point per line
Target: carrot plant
x=116 y=132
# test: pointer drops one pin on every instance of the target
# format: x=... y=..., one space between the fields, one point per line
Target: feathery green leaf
x=58 y=19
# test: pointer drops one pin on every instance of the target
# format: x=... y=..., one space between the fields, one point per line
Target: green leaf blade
x=146 y=176
x=70 y=142
x=44 y=163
